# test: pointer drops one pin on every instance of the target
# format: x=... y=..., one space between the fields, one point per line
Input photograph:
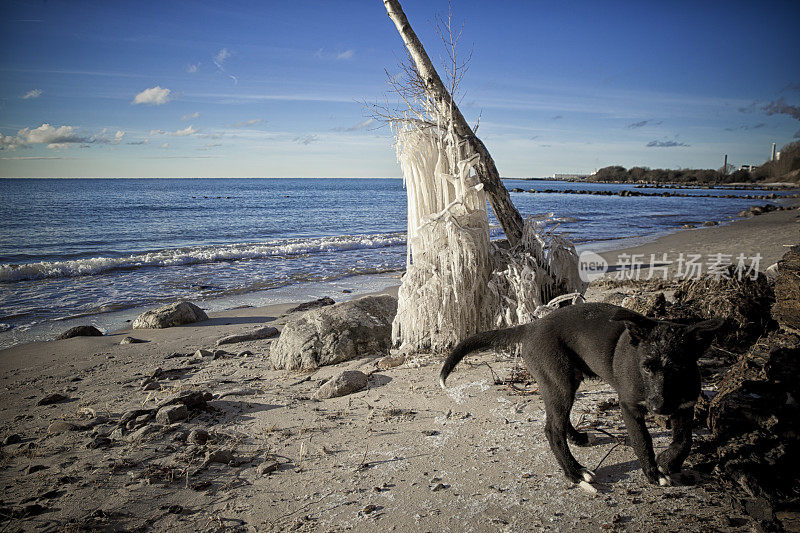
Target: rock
x=35 y=468
x=171 y=414
x=132 y=415
x=219 y=354
x=175 y=314
x=62 y=426
x=244 y=391
x=12 y=439
x=199 y=354
x=222 y=455
x=244 y=353
x=191 y=399
x=141 y=433
x=117 y=434
x=786 y=309
x=335 y=333
x=322 y=302
x=131 y=340
x=688 y=226
x=391 y=361
x=746 y=213
x=197 y=436
x=98 y=441
x=267 y=467
x=150 y=384
x=709 y=223
x=52 y=398
x=80 y=331
x=264 y=332
x=347 y=382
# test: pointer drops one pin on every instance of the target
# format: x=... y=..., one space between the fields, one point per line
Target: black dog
x=652 y=364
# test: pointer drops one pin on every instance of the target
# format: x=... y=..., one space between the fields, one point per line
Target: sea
x=101 y=251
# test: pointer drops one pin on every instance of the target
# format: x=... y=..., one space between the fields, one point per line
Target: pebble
x=219 y=456
x=199 y=354
x=172 y=413
x=12 y=439
x=197 y=436
x=52 y=398
x=267 y=467
x=131 y=340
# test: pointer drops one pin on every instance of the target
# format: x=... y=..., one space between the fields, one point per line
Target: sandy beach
x=401 y=455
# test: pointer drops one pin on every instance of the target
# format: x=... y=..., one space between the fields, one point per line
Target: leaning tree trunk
x=504 y=210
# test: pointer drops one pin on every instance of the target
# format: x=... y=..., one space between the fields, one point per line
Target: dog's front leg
x=642 y=443
x=670 y=460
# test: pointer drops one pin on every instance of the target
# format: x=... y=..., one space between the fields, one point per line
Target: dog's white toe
x=664 y=481
x=588 y=475
x=587 y=487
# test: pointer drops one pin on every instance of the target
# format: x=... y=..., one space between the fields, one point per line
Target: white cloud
x=58 y=146
x=221 y=56
x=362 y=125
x=347 y=54
x=192 y=68
x=164 y=146
x=35 y=93
x=57 y=138
x=138 y=143
x=153 y=96
x=190 y=116
x=156 y=132
x=209 y=146
x=250 y=122
x=188 y=130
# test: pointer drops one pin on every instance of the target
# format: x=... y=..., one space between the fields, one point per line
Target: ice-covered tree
x=457 y=282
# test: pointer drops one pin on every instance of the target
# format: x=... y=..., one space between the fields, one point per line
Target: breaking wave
x=198 y=254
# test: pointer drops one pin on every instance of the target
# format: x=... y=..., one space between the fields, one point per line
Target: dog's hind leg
x=670 y=460
x=558 y=402
x=642 y=443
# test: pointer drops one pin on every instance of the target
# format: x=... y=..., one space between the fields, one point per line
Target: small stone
x=171 y=414
x=35 y=468
x=267 y=467
x=197 y=436
x=131 y=340
x=99 y=441
x=347 y=382
x=710 y=223
x=223 y=455
x=80 y=331
x=371 y=508
x=12 y=439
x=199 y=354
x=219 y=354
x=52 y=398
x=438 y=487
x=322 y=302
x=430 y=432
x=391 y=361
x=244 y=353
x=142 y=432
x=150 y=384
x=61 y=426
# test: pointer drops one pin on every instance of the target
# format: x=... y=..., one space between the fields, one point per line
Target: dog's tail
x=499 y=338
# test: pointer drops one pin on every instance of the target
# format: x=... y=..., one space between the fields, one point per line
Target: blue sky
x=239 y=89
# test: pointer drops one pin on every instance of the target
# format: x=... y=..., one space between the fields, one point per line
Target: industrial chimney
x=773 y=152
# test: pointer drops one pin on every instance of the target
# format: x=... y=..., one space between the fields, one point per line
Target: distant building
x=570 y=176
x=748 y=168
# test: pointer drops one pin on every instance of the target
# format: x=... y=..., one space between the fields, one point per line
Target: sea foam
x=197 y=255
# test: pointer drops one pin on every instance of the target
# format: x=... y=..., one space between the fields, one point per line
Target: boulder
x=175 y=314
x=80 y=331
x=347 y=382
x=336 y=333
x=171 y=414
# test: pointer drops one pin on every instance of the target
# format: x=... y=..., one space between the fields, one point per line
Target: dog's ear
x=704 y=332
x=638 y=330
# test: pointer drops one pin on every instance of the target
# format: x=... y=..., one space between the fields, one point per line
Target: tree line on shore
x=784 y=169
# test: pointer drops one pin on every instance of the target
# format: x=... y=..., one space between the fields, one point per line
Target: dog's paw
x=587 y=475
x=587 y=487
x=664 y=481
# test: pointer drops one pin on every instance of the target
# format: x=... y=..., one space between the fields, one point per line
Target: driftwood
x=487 y=173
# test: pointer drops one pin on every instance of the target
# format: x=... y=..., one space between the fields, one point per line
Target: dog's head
x=667 y=358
